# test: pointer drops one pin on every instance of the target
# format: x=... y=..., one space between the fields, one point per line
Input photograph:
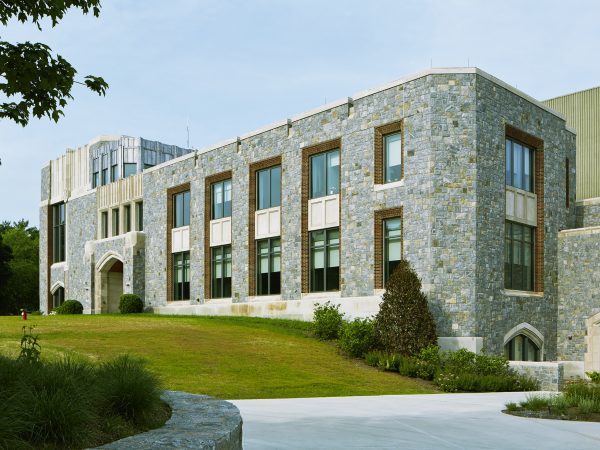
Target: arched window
x=522 y=348
x=58 y=297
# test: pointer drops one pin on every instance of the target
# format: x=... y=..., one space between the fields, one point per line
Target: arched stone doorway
x=109 y=283
x=592 y=340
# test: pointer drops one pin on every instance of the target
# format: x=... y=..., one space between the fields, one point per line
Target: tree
x=21 y=288
x=404 y=323
x=39 y=82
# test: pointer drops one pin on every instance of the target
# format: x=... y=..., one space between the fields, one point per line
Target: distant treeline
x=19 y=267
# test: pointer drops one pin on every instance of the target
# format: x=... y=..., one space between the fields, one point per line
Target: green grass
x=226 y=357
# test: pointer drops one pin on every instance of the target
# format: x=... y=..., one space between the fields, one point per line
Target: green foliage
x=536 y=402
x=128 y=389
x=357 y=337
x=19 y=276
x=373 y=357
x=69 y=307
x=404 y=323
x=130 y=303
x=594 y=376
x=30 y=348
x=327 y=320
x=512 y=406
x=40 y=82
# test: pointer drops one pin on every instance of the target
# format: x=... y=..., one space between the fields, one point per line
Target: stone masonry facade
x=451 y=199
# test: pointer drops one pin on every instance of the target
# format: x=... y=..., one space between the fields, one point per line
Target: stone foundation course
x=198 y=422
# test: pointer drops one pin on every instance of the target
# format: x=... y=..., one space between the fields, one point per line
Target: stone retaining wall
x=550 y=375
x=198 y=422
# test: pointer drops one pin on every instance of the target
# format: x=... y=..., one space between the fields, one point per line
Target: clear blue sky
x=229 y=67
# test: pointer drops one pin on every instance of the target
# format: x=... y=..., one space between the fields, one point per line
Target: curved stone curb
x=197 y=422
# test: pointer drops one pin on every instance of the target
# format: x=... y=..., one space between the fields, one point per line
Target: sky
x=225 y=67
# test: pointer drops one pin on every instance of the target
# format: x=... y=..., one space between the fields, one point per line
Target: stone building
x=452 y=169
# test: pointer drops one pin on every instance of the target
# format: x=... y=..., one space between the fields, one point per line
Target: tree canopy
x=34 y=81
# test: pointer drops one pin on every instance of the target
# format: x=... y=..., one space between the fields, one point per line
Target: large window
x=139 y=215
x=114 y=167
x=181 y=209
x=325 y=174
x=181 y=276
x=58 y=232
x=221 y=199
x=221 y=271
x=129 y=169
x=268 y=262
x=325 y=260
x=95 y=172
x=268 y=188
x=127 y=218
x=58 y=297
x=392 y=246
x=518 y=257
x=392 y=144
x=519 y=165
x=521 y=348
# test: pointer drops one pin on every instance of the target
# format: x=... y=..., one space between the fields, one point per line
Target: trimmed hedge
x=130 y=303
x=69 y=307
x=357 y=337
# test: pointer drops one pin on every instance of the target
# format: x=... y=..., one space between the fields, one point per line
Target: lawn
x=226 y=357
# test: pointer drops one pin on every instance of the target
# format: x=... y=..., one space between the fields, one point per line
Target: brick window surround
x=208 y=181
x=255 y=167
x=170 y=193
x=378 y=157
x=380 y=216
x=538 y=145
x=307 y=152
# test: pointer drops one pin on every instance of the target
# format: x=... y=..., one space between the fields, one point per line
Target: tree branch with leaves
x=34 y=81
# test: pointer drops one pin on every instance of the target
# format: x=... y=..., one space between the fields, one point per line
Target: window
x=95 y=172
x=58 y=232
x=518 y=257
x=392 y=143
x=268 y=188
x=104 y=176
x=325 y=260
x=115 y=222
x=221 y=199
x=181 y=276
x=114 y=168
x=129 y=169
x=392 y=246
x=268 y=262
x=522 y=348
x=139 y=214
x=127 y=212
x=181 y=209
x=221 y=271
x=58 y=298
x=325 y=174
x=519 y=165
x=104 y=224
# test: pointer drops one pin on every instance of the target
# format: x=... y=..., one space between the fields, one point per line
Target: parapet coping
x=580 y=231
x=197 y=422
x=588 y=201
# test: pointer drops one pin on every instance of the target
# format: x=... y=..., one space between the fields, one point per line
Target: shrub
x=69 y=307
x=130 y=303
x=374 y=357
x=536 y=402
x=357 y=337
x=327 y=320
x=408 y=366
x=594 y=376
x=404 y=323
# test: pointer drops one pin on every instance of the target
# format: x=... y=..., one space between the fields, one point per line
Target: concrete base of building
x=451 y=343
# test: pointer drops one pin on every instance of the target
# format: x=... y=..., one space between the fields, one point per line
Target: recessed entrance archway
x=109 y=283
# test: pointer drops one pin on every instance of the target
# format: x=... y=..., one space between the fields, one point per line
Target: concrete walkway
x=440 y=421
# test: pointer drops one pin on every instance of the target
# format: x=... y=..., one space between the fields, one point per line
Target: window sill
x=58 y=265
x=215 y=301
x=515 y=293
x=322 y=295
x=378 y=291
x=265 y=298
x=383 y=187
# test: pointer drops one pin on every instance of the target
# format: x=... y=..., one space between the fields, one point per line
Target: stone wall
x=499 y=311
x=578 y=289
x=588 y=213
x=81 y=227
x=550 y=375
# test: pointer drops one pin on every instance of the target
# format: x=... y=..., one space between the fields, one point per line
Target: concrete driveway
x=439 y=421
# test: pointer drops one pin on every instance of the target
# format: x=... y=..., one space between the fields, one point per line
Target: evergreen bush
x=69 y=307
x=404 y=323
x=130 y=303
